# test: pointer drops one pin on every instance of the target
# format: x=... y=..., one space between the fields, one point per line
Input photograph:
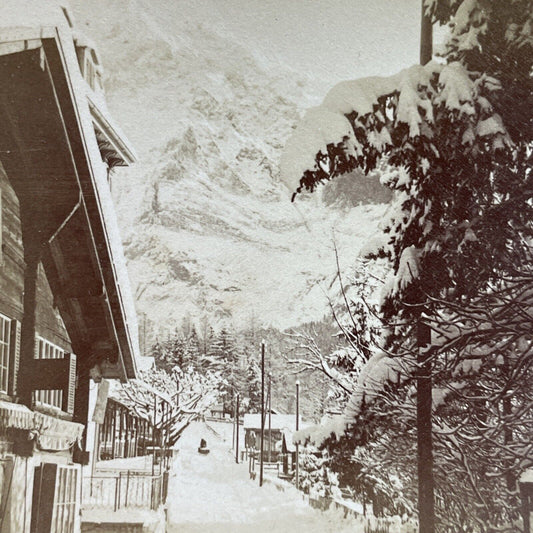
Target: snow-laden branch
x=171 y=402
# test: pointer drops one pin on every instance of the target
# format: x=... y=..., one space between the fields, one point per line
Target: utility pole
x=233 y=432
x=237 y=432
x=424 y=400
x=262 y=413
x=297 y=428
x=154 y=436
x=269 y=418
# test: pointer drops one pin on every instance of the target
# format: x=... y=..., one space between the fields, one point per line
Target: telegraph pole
x=237 y=432
x=269 y=418
x=262 y=413
x=297 y=428
x=233 y=428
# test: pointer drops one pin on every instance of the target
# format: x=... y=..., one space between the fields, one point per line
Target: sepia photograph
x=266 y=266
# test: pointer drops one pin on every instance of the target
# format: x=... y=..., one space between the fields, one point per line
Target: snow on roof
x=43 y=13
x=35 y=14
x=83 y=41
x=253 y=421
x=40 y=14
x=116 y=250
x=288 y=436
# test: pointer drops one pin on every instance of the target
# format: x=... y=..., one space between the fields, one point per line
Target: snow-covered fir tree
x=456 y=136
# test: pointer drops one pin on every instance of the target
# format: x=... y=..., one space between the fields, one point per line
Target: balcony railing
x=124 y=490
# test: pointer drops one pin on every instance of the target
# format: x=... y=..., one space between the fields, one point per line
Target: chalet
x=66 y=313
x=275 y=426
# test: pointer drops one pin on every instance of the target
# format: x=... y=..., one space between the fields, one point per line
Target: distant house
x=217 y=411
x=66 y=311
x=280 y=424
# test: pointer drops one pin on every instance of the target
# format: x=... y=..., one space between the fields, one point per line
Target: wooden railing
x=125 y=489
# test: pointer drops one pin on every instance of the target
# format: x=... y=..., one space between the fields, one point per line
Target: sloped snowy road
x=212 y=494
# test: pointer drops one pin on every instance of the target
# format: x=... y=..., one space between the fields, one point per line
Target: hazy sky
x=330 y=40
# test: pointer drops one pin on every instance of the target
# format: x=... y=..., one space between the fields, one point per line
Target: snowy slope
x=208 y=227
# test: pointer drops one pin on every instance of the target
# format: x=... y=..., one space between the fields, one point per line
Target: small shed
x=217 y=411
x=273 y=433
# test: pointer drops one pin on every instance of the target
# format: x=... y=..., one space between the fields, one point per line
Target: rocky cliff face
x=208 y=228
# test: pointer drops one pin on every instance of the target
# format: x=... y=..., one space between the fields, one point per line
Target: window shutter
x=14 y=357
x=69 y=395
x=1 y=232
x=44 y=485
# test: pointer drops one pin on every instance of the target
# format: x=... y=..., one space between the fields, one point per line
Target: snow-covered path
x=212 y=494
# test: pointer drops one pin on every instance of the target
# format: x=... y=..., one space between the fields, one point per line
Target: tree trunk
x=426 y=484
x=426 y=498
x=426 y=38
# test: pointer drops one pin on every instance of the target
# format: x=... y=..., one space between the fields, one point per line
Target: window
x=5 y=331
x=91 y=73
x=47 y=350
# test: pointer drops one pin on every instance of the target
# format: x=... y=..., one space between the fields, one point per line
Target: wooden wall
x=49 y=323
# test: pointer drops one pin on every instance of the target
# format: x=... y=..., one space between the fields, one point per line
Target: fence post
x=165 y=486
x=116 y=491
x=127 y=487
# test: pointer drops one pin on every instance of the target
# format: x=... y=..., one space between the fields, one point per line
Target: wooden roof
x=49 y=149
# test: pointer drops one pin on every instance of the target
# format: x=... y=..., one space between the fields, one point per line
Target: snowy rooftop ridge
x=253 y=421
x=35 y=14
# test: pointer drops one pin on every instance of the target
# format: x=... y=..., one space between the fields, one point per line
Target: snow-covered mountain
x=208 y=227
